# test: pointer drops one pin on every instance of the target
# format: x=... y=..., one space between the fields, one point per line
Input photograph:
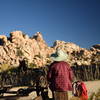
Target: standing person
x=60 y=76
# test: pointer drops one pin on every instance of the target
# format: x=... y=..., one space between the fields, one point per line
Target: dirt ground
x=92 y=86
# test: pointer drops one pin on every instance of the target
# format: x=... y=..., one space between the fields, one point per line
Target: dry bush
x=95 y=96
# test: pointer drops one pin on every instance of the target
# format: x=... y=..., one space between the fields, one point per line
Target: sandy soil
x=92 y=86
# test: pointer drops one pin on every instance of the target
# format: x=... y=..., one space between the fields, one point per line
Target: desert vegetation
x=95 y=96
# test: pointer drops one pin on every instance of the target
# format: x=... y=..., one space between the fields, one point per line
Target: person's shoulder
x=60 y=63
x=64 y=62
x=53 y=64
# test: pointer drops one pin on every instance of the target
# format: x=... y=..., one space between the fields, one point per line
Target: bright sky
x=76 y=21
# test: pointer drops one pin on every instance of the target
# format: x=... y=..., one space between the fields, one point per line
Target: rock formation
x=20 y=46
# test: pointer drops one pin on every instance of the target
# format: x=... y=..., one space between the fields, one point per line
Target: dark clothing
x=60 y=76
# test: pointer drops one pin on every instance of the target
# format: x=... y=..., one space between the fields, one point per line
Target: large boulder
x=20 y=46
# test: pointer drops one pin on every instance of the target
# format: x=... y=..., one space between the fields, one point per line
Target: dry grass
x=95 y=96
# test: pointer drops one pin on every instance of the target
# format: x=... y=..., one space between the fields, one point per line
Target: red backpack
x=79 y=89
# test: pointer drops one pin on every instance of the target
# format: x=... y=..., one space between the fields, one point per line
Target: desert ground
x=92 y=86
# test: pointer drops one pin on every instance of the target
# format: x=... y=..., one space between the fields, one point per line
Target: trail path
x=92 y=86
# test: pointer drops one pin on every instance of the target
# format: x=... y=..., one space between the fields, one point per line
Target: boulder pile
x=35 y=50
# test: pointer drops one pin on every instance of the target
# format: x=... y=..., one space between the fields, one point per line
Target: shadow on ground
x=15 y=97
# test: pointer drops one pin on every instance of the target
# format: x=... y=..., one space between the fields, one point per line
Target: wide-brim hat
x=59 y=55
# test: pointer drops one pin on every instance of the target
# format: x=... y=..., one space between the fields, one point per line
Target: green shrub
x=32 y=65
x=19 y=52
x=95 y=96
x=4 y=67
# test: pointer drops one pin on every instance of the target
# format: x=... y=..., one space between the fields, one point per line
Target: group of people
x=60 y=77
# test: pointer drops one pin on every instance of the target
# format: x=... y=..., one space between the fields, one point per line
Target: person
x=79 y=91
x=60 y=75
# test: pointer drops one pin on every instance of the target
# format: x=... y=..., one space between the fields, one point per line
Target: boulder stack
x=20 y=46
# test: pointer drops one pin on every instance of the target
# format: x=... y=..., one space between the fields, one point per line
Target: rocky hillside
x=35 y=50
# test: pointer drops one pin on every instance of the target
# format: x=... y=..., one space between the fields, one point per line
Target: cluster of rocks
x=20 y=46
x=77 y=55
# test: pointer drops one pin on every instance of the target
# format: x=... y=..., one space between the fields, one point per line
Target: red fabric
x=83 y=98
x=84 y=95
x=60 y=76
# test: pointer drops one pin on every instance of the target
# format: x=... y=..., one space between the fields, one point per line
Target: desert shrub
x=19 y=52
x=4 y=67
x=32 y=65
x=12 y=70
x=95 y=96
x=91 y=96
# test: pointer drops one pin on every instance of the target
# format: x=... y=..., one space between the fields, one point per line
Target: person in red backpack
x=84 y=95
x=60 y=76
x=79 y=91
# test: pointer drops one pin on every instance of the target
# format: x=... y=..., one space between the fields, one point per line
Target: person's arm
x=71 y=74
